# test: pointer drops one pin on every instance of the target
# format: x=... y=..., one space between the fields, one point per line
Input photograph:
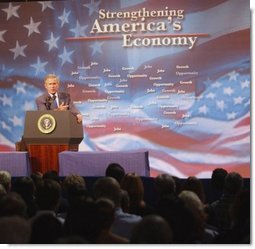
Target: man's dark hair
x=116 y=171
x=218 y=178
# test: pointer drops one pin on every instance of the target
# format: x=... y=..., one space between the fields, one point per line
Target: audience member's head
x=218 y=178
x=73 y=185
x=180 y=219
x=48 y=194
x=195 y=185
x=82 y=219
x=116 y=171
x=25 y=187
x=5 y=180
x=133 y=184
x=14 y=230
x=45 y=229
x=106 y=210
x=152 y=229
x=12 y=204
x=51 y=174
x=191 y=200
x=2 y=191
x=165 y=185
x=233 y=183
x=108 y=187
x=37 y=178
x=193 y=203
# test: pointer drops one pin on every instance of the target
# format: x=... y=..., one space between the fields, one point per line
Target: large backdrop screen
x=169 y=76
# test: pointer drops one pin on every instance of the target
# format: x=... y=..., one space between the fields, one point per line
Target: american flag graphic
x=190 y=108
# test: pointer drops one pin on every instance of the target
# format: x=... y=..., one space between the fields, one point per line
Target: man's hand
x=79 y=118
x=62 y=107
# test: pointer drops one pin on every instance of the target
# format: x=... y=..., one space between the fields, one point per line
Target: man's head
x=51 y=83
x=116 y=171
x=5 y=180
x=108 y=187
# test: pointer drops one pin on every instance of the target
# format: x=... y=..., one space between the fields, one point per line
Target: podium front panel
x=66 y=131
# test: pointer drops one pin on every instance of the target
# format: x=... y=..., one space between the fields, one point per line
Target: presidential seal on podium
x=46 y=123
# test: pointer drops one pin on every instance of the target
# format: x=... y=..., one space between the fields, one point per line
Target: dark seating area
x=124 y=208
x=149 y=188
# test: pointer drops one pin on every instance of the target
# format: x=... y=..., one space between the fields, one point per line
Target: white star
x=28 y=106
x=46 y=4
x=64 y=17
x=231 y=115
x=32 y=27
x=11 y=11
x=5 y=126
x=39 y=66
x=216 y=84
x=79 y=30
x=18 y=50
x=52 y=42
x=203 y=109
x=233 y=75
x=65 y=56
x=20 y=87
x=6 y=101
x=1 y=35
x=93 y=7
x=96 y=46
x=228 y=91
x=221 y=105
x=238 y=100
x=245 y=84
x=16 y=121
x=210 y=95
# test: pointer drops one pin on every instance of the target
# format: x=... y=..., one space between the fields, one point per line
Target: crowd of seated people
x=47 y=209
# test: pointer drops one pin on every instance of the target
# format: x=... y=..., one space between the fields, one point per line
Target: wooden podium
x=46 y=133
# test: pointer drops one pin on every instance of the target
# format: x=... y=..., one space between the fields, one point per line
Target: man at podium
x=52 y=99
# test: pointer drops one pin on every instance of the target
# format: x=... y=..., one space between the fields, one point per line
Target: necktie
x=54 y=103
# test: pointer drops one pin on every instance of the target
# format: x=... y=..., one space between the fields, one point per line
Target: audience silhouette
x=165 y=186
x=14 y=230
x=133 y=184
x=26 y=188
x=106 y=213
x=195 y=185
x=108 y=187
x=152 y=229
x=45 y=229
x=6 y=180
x=12 y=204
x=218 y=211
x=47 y=209
x=217 y=182
x=116 y=171
x=82 y=220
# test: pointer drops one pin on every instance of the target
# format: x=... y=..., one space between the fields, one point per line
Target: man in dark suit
x=54 y=100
